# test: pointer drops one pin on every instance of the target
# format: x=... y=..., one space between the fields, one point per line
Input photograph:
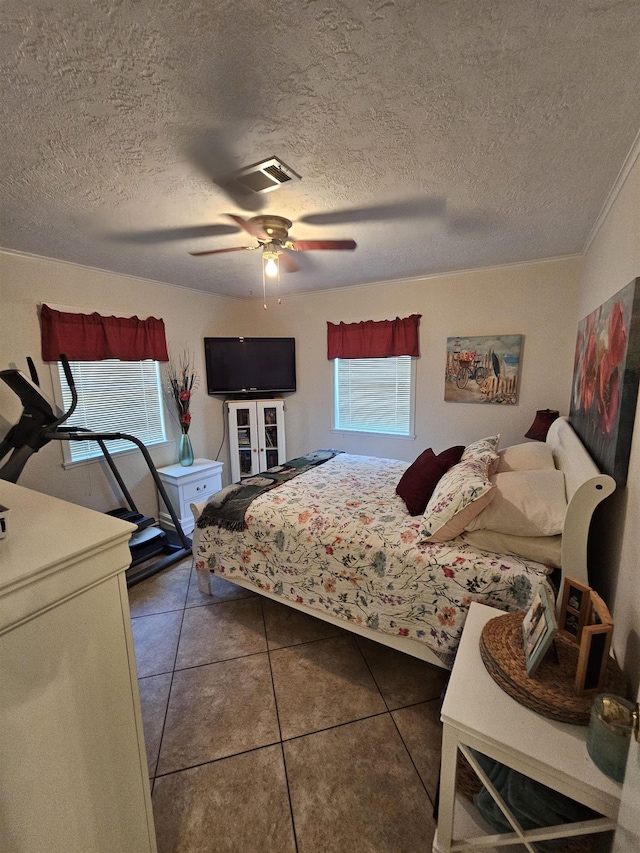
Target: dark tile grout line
x=393 y=720
x=281 y=741
x=426 y=790
x=268 y=651
x=275 y=700
x=366 y=663
x=191 y=606
x=297 y=737
x=173 y=672
x=275 y=743
x=176 y=609
x=215 y=760
x=236 y=657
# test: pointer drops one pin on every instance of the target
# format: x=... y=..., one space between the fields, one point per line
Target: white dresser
x=186 y=485
x=74 y=772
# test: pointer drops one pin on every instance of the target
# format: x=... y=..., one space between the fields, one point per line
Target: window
x=113 y=396
x=374 y=395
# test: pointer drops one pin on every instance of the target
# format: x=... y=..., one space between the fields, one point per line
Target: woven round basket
x=549 y=691
x=467 y=783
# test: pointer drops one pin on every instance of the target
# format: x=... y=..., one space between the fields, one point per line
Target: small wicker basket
x=549 y=691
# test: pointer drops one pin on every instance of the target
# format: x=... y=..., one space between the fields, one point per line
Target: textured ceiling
x=471 y=132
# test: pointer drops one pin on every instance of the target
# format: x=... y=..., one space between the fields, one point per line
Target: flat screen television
x=250 y=365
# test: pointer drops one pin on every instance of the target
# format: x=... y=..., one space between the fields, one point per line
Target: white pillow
x=540 y=549
x=526 y=503
x=460 y=495
x=525 y=457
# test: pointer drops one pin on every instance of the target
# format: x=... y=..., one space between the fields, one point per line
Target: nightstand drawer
x=186 y=485
x=202 y=488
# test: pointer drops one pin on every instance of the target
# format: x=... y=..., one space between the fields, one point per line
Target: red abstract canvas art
x=605 y=380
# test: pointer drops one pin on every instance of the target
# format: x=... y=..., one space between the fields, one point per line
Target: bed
x=338 y=543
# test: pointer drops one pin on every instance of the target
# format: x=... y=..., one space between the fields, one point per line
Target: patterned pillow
x=462 y=493
x=485 y=449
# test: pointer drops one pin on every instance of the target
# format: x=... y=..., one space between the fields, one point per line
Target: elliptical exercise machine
x=41 y=422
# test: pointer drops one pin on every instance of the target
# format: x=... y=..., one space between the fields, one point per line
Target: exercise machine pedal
x=141 y=521
x=146 y=543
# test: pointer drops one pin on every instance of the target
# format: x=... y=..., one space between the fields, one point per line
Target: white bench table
x=478 y=714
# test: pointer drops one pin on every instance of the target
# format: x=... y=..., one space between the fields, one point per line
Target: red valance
x=91 y=337
x=374 y=338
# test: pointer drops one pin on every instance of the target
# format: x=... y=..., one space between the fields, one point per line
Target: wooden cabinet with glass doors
x=256 y=436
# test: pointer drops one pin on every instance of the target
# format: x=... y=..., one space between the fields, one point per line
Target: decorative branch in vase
x=183 y=381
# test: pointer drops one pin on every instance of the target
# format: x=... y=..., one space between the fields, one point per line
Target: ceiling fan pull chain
x=278 y=285
x=264 y=287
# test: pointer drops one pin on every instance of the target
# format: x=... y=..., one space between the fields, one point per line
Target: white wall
x=537 y=300
x=188 y=315
x=542 y=301
x=611 y=262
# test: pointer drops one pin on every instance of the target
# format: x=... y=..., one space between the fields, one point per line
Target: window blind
x=114 y=396
x=373 y=394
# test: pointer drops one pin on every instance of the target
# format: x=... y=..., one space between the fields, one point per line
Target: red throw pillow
x=452 y=455
x=420 y=479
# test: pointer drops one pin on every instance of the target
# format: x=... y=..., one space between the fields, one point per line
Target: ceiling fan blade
x=287 y=262
x=162 y=235
x=472 y=222
x=312 y=245
x=221 y=251
x=249 y=227
x=421 y=207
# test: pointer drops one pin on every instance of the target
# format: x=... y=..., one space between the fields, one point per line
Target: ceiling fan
x=272 y=234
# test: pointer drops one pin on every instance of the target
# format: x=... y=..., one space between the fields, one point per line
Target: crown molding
x=619 y=182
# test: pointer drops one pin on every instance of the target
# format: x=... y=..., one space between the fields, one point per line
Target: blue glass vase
x=185 y=454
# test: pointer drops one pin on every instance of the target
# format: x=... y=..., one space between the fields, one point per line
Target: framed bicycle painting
x=483 y=369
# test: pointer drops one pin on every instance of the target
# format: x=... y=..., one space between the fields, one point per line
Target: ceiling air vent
x=266 y=176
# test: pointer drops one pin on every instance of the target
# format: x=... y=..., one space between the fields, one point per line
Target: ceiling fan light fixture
x=270 y=269
x=271 y=266
x=272 y=235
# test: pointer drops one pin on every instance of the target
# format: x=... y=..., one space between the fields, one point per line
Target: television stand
x=251 y=395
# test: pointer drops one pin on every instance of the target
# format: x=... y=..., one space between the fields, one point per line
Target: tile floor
x=270 y=731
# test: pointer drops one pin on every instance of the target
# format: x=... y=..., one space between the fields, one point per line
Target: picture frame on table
x=539 y=627
x=595 y=644
x=4 y=512
x=575 y=608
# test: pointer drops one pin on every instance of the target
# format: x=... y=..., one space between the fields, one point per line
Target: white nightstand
x=185 y=485
x=477 y=713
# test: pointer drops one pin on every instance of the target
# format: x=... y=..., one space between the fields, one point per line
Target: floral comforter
x=338 y=539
